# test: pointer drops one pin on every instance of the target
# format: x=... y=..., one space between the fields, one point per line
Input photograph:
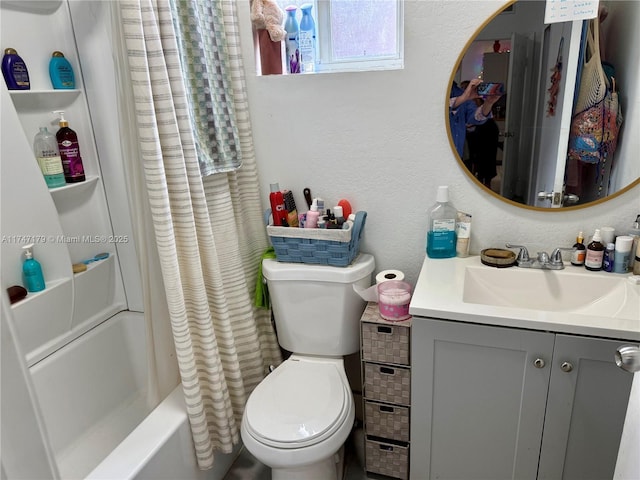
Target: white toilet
x=298 y=418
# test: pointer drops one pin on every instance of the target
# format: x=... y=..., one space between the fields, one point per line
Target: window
x=355 y=35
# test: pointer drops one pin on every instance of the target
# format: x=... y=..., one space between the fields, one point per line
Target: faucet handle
x=523 y=254
x=556 y=256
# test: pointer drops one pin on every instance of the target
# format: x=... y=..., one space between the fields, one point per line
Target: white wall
x=379 y=139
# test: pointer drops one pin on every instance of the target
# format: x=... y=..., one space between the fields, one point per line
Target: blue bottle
x=15 y=71
x=307 y=39
x=32 y=271
x=441 y=236
x=292 y=45
x=61 y=72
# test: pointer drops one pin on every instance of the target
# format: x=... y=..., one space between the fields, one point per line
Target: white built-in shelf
x=51 y=287
x=29 y=100
x=69 y=188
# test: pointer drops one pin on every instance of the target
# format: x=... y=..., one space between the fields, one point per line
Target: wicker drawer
x=387 y=383
x=385 y=343
x=387 y=421
x=387 y=459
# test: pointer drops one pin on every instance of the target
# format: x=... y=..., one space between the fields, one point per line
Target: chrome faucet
x=543 y=260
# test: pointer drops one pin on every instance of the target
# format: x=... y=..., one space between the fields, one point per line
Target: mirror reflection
x=521 y=152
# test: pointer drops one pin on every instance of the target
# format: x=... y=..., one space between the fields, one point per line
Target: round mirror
x=532 y=84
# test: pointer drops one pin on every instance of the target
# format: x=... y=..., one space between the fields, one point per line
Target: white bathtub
x=93 y=397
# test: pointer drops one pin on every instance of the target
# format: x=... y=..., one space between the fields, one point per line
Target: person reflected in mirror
x=464 y=111
x=483 y=144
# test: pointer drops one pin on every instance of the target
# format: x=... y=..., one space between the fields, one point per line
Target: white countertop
x=439 y=294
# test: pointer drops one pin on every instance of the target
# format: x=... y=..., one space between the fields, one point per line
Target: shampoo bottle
x=32 y=271
x=45 y=147
x=595 y=253
x=69 y=152
x=61 y=72
x=15 y=71
x=441 y=235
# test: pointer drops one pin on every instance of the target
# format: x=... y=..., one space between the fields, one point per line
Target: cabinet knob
x=539 y=363
x=566 y=367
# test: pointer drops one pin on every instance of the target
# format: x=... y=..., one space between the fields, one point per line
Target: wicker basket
x=335 y=247
x=387 y=384
x=387 y=421
x=387 y=459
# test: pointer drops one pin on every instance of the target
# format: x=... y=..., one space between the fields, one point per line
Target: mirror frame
x=464 y=168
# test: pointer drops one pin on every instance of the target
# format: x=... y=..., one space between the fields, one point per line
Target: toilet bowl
x=298 y=418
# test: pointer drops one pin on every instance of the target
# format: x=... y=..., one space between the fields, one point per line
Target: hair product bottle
x=441 y=235
x=45 y=147
x=307 y=40
x=32 y=271
x=292 y=41
x=579 y=251
x=595 y=253
x=61 y=72
x=278 y=210
x=69 y=152
x=15 y=71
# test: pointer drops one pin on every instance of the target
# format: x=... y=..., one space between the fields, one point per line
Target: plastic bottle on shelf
x=441 y=234
x=15 y=71
x=595 y=253
x=32 y=271
x=292 y=41
x=61 y=72
x=579 y=251
x=608 y=258
x=69 y=151
x=45 y=148
x=307 y=39
x=278 y=210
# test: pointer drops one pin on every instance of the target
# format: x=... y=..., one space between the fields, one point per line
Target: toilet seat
x=301 y=403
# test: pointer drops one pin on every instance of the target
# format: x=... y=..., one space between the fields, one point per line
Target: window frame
x=324 y=57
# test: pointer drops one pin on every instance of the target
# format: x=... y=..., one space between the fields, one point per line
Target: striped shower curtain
x=209 y=230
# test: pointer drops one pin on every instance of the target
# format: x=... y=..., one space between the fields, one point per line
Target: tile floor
x=246 y=467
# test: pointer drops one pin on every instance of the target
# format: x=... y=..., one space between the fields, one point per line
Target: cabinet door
x=478 y=400
x=587 y=404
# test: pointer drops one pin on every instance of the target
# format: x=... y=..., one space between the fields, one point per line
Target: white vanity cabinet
x=497 y=402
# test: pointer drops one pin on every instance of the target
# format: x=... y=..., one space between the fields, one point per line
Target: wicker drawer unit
x=387 y=459
x=386 y=377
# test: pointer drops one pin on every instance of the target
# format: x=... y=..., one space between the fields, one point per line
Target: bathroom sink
x=575 y=291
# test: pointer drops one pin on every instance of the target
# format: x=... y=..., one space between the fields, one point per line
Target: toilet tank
x=316 y=310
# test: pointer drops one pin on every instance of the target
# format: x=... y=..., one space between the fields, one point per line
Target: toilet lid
x=299 y=404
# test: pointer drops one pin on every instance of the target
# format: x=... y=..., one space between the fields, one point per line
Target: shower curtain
x=208 y=230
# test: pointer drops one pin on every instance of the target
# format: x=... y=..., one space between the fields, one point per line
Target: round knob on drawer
x=539 y=363
x=566 y=367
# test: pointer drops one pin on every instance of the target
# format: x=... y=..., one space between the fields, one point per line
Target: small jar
x=394 y=297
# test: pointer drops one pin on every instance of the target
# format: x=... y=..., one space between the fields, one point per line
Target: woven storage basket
x=385 y=343
x=335 y=247
x=387 y=384
x=387 y=421
x=387 y=459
